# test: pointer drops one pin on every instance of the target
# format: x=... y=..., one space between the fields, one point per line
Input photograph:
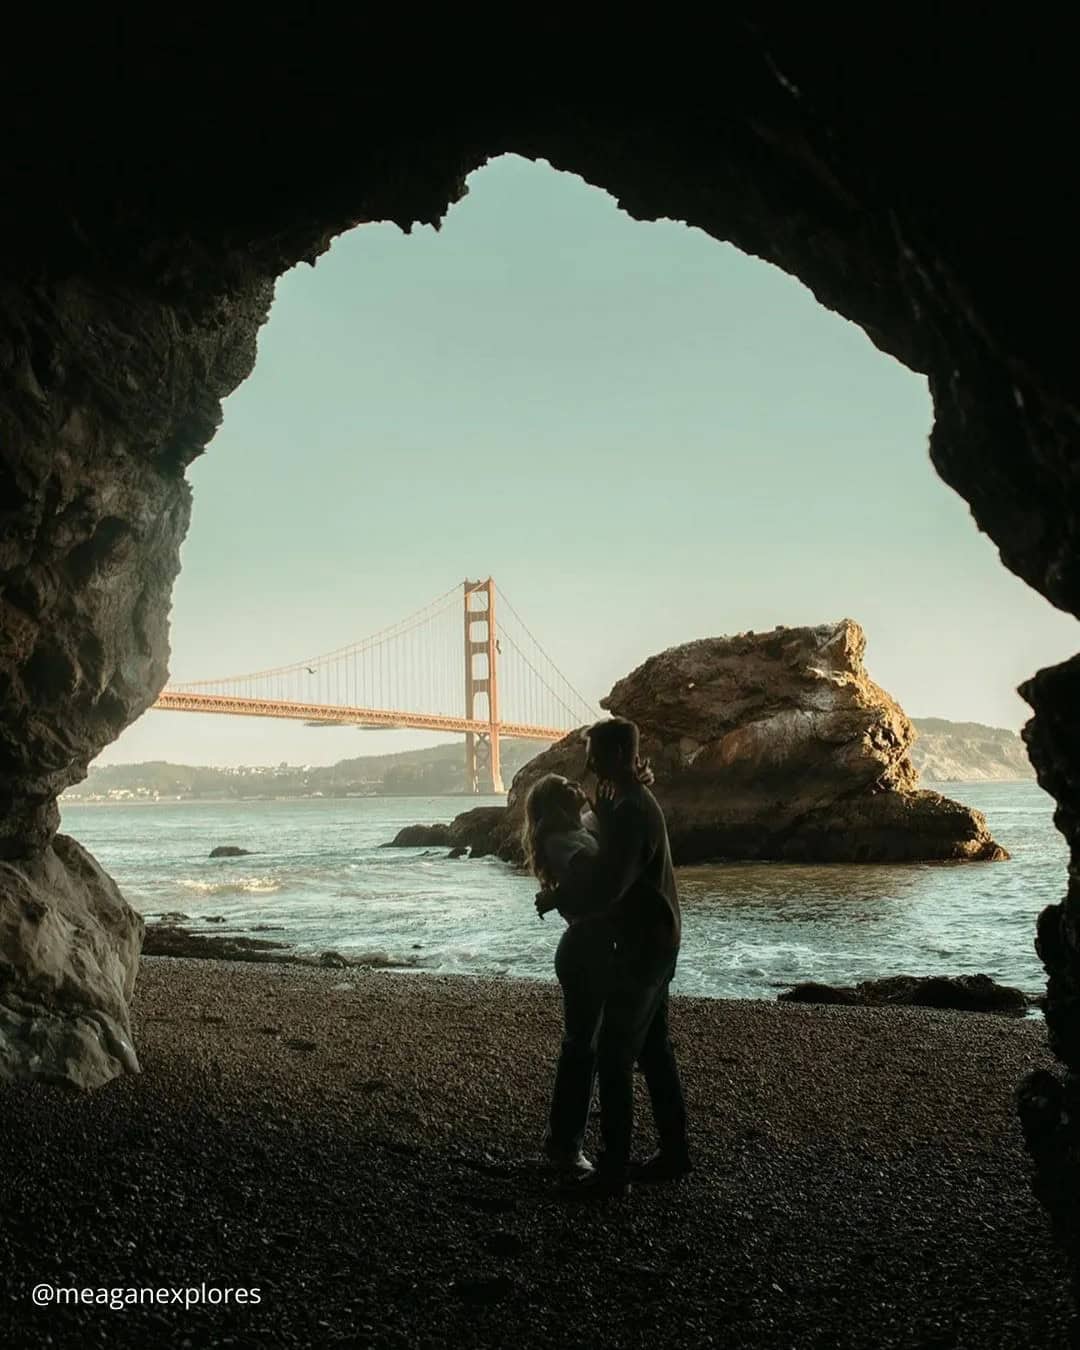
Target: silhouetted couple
x=607 y=870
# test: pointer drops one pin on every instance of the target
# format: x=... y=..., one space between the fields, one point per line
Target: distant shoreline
x=943 y=753
x=931 y=785
x=267 y=801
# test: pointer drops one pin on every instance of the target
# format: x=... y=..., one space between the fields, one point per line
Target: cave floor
x=361 y=1148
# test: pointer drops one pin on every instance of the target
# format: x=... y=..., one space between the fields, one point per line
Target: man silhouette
x=634 y=879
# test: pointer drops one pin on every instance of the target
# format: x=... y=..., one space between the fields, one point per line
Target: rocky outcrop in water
x=964 y=993
x=481 y=830
x=772 y=746
x=230 y=851
x=170 y=939
x=69 y=944
x=478 y=832
x=420 y=836
x=167 y=938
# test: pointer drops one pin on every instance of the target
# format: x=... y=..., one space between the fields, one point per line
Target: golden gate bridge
x=412 y=674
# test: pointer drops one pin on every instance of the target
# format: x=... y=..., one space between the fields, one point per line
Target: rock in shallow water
x=773 y=746
x=480 y=830
x=70 y=946
x=420 y=836
x=965 y=993
x=229 y=851
x=168 y=939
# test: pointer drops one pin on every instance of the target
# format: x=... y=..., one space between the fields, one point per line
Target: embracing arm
x=576 y=893
x=603 y=882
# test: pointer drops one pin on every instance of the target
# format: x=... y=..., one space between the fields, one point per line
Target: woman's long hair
x=554 y=804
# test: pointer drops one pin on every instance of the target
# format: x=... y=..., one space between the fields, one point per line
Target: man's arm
x=604 y=882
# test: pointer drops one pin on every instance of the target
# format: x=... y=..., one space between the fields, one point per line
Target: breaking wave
x=236 y=886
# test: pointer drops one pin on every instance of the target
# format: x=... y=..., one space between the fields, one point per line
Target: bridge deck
x=178 y=700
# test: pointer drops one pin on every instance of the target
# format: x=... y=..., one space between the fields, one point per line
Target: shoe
x=661 y=1167
x=596 y=1185
x=570 y=1164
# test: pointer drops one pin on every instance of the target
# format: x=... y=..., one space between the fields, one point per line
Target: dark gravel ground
x=361 y=1149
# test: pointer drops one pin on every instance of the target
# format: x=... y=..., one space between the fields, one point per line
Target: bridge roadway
x=179 y=700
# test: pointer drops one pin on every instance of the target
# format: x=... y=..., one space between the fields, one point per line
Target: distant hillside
x=944 y=752
x=436 y=771
x=959 y=752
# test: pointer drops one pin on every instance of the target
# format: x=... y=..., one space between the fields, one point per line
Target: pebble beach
x=361 y=1147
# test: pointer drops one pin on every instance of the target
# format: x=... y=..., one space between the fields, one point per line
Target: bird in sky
x=310 y=670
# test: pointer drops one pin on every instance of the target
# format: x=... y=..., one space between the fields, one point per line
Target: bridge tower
x=482 y=771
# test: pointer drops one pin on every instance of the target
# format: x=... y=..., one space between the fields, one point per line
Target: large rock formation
x=776 y=746
x=70 y=948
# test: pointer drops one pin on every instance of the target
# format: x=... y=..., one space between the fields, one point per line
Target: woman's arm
x=610 y=875
x=570 y=857
x=575 y=895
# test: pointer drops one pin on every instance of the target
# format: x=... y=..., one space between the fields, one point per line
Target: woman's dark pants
x=583 y=964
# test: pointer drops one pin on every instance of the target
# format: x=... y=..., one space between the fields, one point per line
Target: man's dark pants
x=635 y=1029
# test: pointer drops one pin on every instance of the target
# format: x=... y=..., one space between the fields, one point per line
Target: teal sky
x=644 y=435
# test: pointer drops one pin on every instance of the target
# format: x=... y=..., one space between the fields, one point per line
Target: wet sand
x=361 y=1147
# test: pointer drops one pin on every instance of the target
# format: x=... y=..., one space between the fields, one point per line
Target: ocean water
x=318 y=880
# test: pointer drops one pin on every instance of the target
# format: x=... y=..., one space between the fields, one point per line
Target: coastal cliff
x=968 y=752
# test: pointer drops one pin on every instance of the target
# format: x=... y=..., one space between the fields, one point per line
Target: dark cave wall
x=158 y=180
x=1053 y=740
x=108 y=394
x=915 y=184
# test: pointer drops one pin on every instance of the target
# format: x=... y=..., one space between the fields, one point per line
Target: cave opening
x=898 y=184
x=144 y=277
x=663 y=395
x=715 y=450
x=543 y=357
